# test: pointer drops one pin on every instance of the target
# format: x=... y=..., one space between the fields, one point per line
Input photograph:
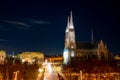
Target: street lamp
x=80 y=76
x=16 y=73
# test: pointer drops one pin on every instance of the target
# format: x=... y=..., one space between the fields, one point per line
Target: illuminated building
x=31 y=57
x=70 y=43
x=82 y=50
x=2 y=56
x=117 y=57
x=87 y=50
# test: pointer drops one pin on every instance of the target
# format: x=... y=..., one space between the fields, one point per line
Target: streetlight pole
x=16 y=73
x=80 y=76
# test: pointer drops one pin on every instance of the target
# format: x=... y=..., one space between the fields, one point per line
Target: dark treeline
x=92 y=65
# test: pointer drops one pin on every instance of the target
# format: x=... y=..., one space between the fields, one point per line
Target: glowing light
x=33 y=60
x=66 y=30
x=40 y=70
x=50 y=68
x=66 y=56
x=72 y=54
x=71 y=27
x=46 y=61
x=23 y=60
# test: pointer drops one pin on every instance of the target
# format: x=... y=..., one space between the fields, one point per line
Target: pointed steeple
x=71 y=20
x=68 y=22
x=101 y=43
x=13 y=55
x=67 y=28
x=92 y=36
x=105 y=46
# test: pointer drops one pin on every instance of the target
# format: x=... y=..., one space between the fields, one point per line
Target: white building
x=70 y=42
x=31 y=57
x=2 y=56
x=82 y=50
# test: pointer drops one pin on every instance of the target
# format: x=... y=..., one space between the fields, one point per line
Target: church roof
x=86 y=45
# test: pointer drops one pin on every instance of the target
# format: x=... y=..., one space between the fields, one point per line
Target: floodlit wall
x=2 y=56
x=32 y=57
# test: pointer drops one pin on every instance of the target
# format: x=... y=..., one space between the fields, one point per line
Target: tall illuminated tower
x=70 y=43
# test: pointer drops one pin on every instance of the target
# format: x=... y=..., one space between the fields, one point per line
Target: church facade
x=82 y=50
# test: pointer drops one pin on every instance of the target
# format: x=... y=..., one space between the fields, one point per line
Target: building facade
x=2 y=56
x=31 y=57
x=87 y=50
x=70 y=42
x=82 y=50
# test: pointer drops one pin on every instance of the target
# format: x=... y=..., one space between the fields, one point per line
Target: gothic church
x=74 y=49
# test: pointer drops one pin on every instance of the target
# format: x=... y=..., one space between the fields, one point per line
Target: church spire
x=71 y=20
x=68 y=22
x=70 y=43
x=67 y=28
x=92 y=36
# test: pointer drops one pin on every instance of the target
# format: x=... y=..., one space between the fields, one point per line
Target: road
x=49 y=73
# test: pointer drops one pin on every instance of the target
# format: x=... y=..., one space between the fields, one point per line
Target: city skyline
x=40 y=25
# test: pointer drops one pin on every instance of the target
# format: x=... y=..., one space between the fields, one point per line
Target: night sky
x=39 y=25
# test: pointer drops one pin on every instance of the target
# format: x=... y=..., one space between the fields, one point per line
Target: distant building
x=117 y=57
x=82 y=50
x=2 y=56
x=31 y=57
x=55 y=59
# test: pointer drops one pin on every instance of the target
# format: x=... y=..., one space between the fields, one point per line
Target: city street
x=49 y=73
